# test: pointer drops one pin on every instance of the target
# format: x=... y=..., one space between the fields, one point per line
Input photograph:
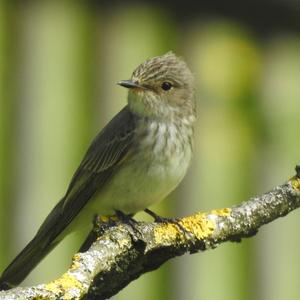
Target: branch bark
x=122 y=254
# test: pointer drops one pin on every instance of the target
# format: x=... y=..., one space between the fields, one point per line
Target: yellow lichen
x=75 y=262
x=64 y=285
x=295 y=181
x=223 y=212
x=166 y=233
x=103 y=219
x=106 y=219
x=124 y=242
x=197 y=224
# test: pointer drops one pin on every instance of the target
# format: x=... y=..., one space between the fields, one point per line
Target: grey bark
x=122 y=253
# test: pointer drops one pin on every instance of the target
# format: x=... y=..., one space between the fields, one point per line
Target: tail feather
x=43 y=242
x=26 y=261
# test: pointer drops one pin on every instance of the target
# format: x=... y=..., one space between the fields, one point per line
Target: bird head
x=161 y=87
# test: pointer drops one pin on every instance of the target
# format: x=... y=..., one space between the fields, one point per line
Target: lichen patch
x=66 y=285
x=295 y=182
x=223 y=212
x=166 y=233
x=199 y=225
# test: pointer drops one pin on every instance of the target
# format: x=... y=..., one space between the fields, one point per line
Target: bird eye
x=166 y=86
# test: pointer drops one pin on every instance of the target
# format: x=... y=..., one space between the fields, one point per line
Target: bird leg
x=129 y=220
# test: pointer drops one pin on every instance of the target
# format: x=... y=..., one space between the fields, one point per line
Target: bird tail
x=26 y=261
x=43 y=242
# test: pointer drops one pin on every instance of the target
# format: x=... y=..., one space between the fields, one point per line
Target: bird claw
x=129 y=220
x=175 y=221
x=159 y=219
x=103 y=223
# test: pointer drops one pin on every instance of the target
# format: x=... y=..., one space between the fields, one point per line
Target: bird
x=135 y=161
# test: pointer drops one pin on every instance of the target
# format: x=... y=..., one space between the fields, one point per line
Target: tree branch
x=122 y=254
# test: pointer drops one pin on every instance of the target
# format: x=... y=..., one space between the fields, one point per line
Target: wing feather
x=109 y=147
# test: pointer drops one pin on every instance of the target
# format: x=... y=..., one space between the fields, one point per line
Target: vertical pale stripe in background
x=124 y=47
x=280 y=242
x=47 y=60
x=225 y=60
x=7 y=125
x=53 y=117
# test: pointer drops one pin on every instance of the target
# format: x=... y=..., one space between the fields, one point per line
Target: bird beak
x=129 y=84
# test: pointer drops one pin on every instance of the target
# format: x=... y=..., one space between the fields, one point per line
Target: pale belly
x=142 y=180
x=136 y=186
x=139 y=184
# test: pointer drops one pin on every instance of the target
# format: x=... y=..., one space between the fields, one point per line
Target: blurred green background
x=59 y=64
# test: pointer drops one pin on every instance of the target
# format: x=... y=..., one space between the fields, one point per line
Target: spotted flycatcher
x=135 y=161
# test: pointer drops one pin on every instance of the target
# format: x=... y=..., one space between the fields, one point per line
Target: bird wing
x=110 y=146
x=106 y=152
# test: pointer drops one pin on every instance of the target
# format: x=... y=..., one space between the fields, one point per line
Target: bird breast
x=160 y=158
x=162 y=154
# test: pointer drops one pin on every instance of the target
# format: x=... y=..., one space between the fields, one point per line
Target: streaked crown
x=162 y=87
x=166 y=67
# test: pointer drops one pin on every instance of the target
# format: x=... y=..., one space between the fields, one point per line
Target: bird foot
x=129 y=220
x=159 y=219
x=175 y=221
